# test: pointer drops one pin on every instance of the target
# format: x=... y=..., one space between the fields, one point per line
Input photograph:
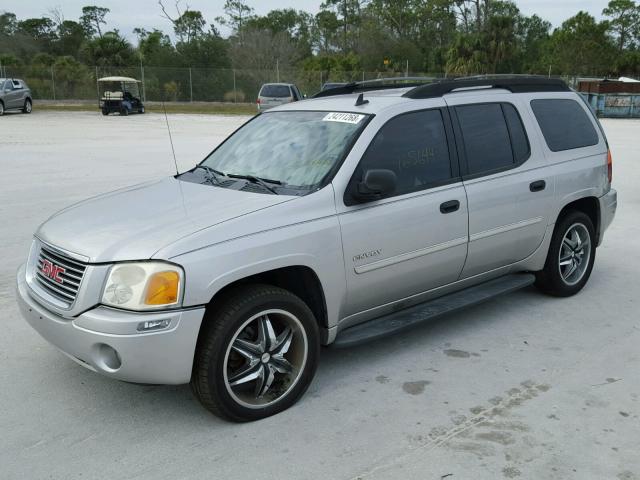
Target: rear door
x=17 y=94
x=9 y=95
x=415 y=239
x=509 y=186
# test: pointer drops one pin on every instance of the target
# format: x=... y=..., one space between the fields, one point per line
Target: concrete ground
x=525 y=386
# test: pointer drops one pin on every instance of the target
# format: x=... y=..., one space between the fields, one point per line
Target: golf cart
x=119 y=94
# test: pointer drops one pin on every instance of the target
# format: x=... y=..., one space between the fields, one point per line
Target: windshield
x=275 y=91
x=296 y=148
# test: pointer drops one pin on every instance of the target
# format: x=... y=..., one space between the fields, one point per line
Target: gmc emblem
x=52 y=271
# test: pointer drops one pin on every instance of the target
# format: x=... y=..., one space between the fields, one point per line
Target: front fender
x=315 y=244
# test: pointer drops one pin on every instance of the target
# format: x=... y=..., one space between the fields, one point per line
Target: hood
x=135 y=222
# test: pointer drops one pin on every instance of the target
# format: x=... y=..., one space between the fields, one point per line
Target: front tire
x=570 y=258
x=28 y=106
x=257 y=353
x=1 y=109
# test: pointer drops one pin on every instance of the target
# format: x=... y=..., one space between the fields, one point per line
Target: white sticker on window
x=343 y=117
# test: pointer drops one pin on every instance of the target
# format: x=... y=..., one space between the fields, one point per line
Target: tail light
x=258 y=101
x=609 y=165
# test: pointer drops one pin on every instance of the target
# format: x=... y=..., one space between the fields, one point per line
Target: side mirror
x=375 y=185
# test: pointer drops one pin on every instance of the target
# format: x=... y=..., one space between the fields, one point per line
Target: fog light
x=151 y=325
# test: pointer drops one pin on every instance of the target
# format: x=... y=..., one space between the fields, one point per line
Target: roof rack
x=513 y=83
x=375 y=84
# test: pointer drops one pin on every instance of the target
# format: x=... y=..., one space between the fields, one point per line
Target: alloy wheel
x=265 y=358
x=574 y=255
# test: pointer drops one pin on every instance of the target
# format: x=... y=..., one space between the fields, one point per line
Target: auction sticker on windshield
x=343 y=117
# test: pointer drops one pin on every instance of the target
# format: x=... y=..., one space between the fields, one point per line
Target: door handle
x=450 y=206
x=537 y=186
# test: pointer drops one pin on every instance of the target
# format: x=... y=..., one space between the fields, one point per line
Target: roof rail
x=513 y=83
x=375 y=84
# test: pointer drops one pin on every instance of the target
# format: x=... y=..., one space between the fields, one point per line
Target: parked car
x=15 y=95
x=336 y=221
x=328 y=85
x=120 y=95
x=275 y=94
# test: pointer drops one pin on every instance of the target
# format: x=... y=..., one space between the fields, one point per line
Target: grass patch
x=156 y=107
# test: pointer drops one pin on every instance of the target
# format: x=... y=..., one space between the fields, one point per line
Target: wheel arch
x=301 y=280
x=590 y=206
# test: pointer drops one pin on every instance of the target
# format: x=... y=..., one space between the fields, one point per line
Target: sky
x=128 y=14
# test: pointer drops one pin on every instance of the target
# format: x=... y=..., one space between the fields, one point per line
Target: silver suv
x=276 y=94
x=337 y=220
x=15 y=95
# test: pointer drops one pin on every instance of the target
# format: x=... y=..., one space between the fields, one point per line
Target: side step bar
x=396 y=321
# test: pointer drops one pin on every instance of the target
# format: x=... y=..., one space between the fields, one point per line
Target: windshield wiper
x=263 y=182
x=213 y=173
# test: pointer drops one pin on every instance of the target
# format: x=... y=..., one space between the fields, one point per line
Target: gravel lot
x=525 y=386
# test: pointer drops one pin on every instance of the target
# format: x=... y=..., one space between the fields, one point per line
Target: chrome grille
x=59 y=275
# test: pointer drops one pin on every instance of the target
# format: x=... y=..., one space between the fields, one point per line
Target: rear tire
x=256 y=355
x=1 y=109
x=571 y=255
x=124 y=111
x=28 y=106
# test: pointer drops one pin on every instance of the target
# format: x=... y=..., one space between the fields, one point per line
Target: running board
x=400 y=320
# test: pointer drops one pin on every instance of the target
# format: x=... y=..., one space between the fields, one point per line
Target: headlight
x=143 y=285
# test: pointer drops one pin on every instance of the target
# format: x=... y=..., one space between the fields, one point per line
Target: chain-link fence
x=79 y=82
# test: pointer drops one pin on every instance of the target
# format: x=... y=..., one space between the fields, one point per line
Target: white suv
x=337 y=220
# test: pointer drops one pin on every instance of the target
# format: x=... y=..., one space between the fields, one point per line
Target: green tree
x=91 y=19
x=8 y=24
x=110 y=49
x=155 y=48
x=581 y=46
x=71 y=36
x=624 y=20
x=237 y=14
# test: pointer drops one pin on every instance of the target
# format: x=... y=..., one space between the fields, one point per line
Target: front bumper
x=160 y=357
x=608 y=206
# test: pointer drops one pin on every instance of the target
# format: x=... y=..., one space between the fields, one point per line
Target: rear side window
x=486 y=139
x=564 y=124
x=275 y=91
x=414 y=146
x=519 y=140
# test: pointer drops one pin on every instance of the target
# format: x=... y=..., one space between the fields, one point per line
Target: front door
x=416 y=238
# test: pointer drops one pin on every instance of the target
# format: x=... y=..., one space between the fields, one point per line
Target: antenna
x=166 y=119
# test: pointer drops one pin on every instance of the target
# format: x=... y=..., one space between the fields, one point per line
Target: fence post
x=97 y=87
x=363 y=75
x=144 y=93
x=320 y=79
x=53 y=84
x=235 y=92
x=190 y=87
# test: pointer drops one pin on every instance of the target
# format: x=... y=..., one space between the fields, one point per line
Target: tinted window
x=564 y=124
x=519 y=140
x=414 y=146
x=275 y=91
x=486 y=139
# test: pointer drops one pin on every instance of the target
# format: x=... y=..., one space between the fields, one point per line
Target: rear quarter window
x=564 y=123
